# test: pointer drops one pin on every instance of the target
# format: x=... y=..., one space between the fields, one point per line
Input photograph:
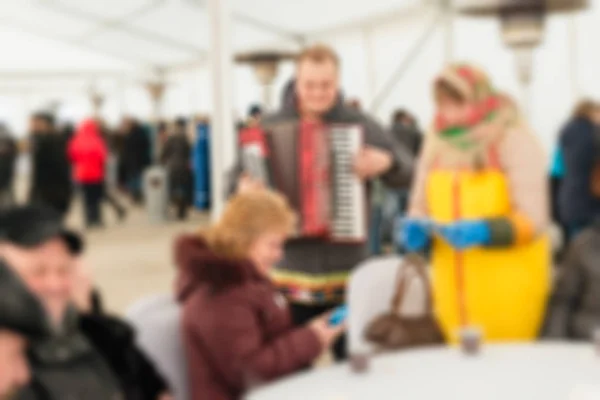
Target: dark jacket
x=409 y=137
x=8 y=158
x=115 y=341
x=20 y=311
x=315 y=270
x=51 y=176
x=65 y=365
x=237 y=328
x=574 y=310
x=136 y=151
x=176 y=157
x=579 y=147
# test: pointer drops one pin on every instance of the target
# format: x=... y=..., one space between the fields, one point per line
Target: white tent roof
x=55 y=50
x=54 y=35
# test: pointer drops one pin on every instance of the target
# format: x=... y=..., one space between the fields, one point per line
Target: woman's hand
x=413 y=234
x=464 y=235
x=166 y=396
x=326 y=333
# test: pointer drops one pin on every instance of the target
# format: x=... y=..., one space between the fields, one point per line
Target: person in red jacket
x=88 y=154
x=237 y=327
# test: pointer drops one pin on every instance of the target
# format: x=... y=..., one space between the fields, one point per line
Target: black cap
x=255 y=110
x=31 y=226
x=20 y=311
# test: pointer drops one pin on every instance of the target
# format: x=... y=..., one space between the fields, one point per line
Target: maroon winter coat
x=237 y=328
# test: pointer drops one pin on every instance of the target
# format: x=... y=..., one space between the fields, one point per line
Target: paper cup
x=359 y=363
x=470 y=340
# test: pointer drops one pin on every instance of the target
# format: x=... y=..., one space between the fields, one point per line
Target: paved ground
x=134 y=259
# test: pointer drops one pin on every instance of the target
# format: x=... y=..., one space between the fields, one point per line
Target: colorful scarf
x=483 y=104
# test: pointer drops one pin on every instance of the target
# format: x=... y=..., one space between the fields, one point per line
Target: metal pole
x=449 y=33
x=370 y=65
x=122 y=96
x=406 y=63
x=573 y=57
x=222 y=135
x=524 y=61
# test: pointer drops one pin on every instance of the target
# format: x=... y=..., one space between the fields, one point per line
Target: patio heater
x=265 y=64
x=522 y=26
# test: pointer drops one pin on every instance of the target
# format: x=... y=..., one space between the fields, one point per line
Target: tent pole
x=122 y=97
x=222 y=139
x=406 y=63
x=573 y=57
x=370 y=65
x=448 y=33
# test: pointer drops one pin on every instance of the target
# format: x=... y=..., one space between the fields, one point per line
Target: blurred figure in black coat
x=135 y=157
x=51 y=181
x=406 y=132
x=8 y=158
x=176 y=157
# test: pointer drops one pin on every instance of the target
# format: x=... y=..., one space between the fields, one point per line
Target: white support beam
x=104 y=24
x=129 y=58
x=449 y=36
x=372 y=21
x=260 y=24
x=408 y=60
x=222 y=123
x=574 y=57
x=370 y=65
x=12 y=75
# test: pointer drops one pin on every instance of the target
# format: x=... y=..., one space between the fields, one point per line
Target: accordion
x=312 y=165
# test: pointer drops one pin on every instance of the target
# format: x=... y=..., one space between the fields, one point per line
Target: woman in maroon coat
x=237 y=328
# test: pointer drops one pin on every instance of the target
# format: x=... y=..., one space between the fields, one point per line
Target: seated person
x=64 y=363
x=21 y=319
x=237 y=327
x=101 y=347
x=574 y=311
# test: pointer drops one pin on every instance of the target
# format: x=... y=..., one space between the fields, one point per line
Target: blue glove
x=413 y=234
x=463 y=235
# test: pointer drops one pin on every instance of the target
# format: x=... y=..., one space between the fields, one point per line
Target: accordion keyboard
x=348 y=200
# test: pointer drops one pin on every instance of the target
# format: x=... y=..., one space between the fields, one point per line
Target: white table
x=544 y=371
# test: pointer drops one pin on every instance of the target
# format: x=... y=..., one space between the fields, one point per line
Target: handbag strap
x=417 y=264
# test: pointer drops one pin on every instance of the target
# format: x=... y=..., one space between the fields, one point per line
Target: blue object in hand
x=463 y=235
x=338 y=316
x=414 y=234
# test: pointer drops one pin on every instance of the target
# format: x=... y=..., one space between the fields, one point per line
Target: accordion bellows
x=312 y=165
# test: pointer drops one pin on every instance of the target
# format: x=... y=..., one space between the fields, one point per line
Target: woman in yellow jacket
x=480 y=196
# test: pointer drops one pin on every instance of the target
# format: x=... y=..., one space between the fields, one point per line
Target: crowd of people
x=257 y=288
x=101 y=164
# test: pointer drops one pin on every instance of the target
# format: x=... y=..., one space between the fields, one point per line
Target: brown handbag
x=393 y=331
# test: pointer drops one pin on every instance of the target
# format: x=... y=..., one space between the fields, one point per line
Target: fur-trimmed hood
x=199 y=265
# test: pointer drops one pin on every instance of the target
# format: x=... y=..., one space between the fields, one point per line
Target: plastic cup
x=359 y=363
x=470 y=340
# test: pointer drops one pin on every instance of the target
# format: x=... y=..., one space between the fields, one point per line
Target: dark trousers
x=92 y=200
x=113 y=202
x=302 y=314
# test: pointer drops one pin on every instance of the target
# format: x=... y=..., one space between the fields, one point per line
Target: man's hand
x=247 y=184
x=371 y=162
